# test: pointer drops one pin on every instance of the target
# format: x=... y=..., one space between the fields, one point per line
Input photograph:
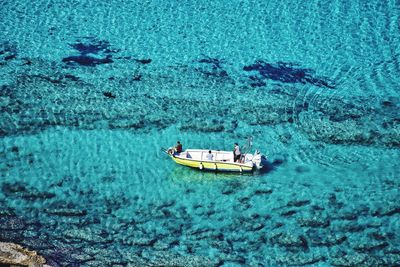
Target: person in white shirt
x=236 y=153
x=209 y=156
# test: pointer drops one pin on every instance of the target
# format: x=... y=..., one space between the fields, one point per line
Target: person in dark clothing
x=178 y=147
x=236 y=153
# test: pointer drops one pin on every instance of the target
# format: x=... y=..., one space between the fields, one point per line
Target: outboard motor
x=258 y=159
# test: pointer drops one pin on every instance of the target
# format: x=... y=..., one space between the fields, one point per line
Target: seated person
x=209 y=156
x=175 y=150
x=178 y=147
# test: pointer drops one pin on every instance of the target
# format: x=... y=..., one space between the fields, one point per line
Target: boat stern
x=259 y=160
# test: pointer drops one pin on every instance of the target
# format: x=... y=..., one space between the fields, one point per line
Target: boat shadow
x=267 y=167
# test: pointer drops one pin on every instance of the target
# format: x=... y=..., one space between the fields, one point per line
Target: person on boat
x=236 y=153
x=178 y=147
x=209 y=156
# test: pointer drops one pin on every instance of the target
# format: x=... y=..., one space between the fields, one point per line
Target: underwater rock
x=91 y=45
x=387 y=103
x=166 y=258
x=12 y=223
x=298 y=203
x=228 y=191
x=289 y=240
x=233 y=260
x=381 y=236
x=299 y=259
x=263 y=192
x=328 y=240
x=87 y=234
x=9 y=57
x=141 y=242
x=214 y=73
x=83 y=258
x=92 y=52
x=167 y=204
x=352 y=227
x=212 y=69
x=390 y=102
x=72 y=77
x=393 y=251
x=285 y=73
x=244 y=200
x=278 y=225
x=215 y=62
x=7 y=212
x=35 y=195
x=349 y=260
x=109 y=95
x=27 y=61
x=36 y=240
x=369 y=247
x=391 y=260
x=333 y=201
x=285 y=138
x=316 y=207
x=127 y=124
x=203 y=126
x=8 y=51
x=87 y=60
x=12 y=188
x=323 y=125
x=209 y=234
x=349 y=216
x=174 y=243
x=256 y=227
x=386 y=211
x=13 y=254
x=68 y=212
x=314 y=222
x=288 y=213
x=137 y=77
x=266 y=119
x=106 y=257
x=256 y=81
x=56 y=79
x=11 y=235
x=143 y=61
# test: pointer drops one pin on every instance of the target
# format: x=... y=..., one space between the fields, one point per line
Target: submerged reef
x=92 y=52
x=89 y=61
x=166 y=232
x=8 y=52
x=60 y=96
x=284 y=72
x=69 y=221
x=64 y=98
x=211 y=68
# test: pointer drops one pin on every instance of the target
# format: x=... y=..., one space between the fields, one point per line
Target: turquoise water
x=90 y=92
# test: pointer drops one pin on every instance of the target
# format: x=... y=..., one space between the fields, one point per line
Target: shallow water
x=90 y=92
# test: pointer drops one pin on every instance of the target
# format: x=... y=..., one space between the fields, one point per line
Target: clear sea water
x=91 y=90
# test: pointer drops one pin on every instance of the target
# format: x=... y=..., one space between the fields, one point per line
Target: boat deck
x=222 y=160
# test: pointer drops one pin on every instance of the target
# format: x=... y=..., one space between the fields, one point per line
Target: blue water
x=90 y=92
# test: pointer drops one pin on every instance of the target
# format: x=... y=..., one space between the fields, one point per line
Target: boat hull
x=213 y=165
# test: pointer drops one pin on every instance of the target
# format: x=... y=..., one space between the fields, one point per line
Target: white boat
x=220 y=160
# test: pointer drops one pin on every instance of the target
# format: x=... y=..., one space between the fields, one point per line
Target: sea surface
x=91 y=90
